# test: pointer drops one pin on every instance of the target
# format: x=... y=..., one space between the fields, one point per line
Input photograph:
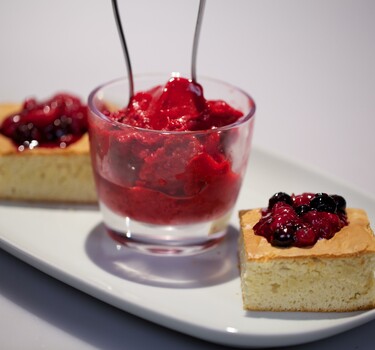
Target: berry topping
x=57 y=122
x=301 y=220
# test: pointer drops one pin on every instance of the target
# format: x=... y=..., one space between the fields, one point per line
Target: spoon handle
x=124 y=48
x=198 y=25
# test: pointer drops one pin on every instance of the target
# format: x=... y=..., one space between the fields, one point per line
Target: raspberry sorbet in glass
x=169 y=163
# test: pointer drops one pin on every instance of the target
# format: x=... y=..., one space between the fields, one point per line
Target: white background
x=309 y=64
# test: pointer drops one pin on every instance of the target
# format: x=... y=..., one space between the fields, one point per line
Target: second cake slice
x=333 y=275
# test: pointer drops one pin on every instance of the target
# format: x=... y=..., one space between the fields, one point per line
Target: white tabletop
x=308 y=64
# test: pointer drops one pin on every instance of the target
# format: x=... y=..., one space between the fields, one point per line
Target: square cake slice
x=45 y=174
x=334 y=275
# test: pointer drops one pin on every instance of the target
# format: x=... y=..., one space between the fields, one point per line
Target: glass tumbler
x=168 y=192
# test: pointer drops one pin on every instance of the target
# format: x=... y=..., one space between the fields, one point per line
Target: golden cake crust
x=353 y=239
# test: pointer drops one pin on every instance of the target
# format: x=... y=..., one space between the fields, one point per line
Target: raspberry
x=282 y=208
x=305 y=236
x=324 y=223
x=281 y=221
x=263 y=227
x=302 y=199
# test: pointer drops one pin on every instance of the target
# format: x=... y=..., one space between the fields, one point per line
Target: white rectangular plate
x=197 y=295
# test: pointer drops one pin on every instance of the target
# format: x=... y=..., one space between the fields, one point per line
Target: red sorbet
x=177 y=106
x=175 y=178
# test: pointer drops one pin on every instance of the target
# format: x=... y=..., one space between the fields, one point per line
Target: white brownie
x=45 y=174
x=334 y=275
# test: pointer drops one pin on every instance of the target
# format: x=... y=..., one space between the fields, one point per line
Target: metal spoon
x=124 y=48
x=126 y=52
x=198 y=25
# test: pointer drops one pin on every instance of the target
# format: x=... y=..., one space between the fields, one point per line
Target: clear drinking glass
x=168 y=192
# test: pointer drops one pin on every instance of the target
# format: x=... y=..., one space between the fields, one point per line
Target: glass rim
x=98 y=114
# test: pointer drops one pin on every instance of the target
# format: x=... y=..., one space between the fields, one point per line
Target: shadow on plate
x=300 y=316
x=215 y=266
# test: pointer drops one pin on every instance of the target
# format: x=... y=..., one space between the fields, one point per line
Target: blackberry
x=302 y=209
x=283 y=237
x=280 y=197
x=323 y=202
x=340 y=202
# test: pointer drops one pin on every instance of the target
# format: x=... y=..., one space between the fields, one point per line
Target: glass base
x=164 y=239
